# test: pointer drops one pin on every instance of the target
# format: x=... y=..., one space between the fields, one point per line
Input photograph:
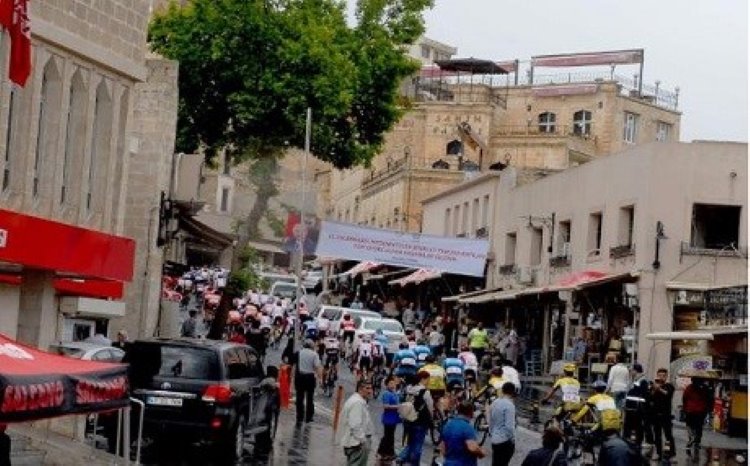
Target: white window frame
x=663 y=130
x=582 y=120
x=547 y=122
x=630 y=128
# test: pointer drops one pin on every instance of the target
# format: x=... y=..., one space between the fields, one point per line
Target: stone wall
x=154 y=126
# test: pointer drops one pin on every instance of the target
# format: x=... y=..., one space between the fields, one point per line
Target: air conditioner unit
x=565 y=250
x=524 y=275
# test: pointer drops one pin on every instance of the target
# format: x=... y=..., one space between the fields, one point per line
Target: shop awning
x=673 y=285
x=490 y=297
x=204 y=233
x=458 y=297
x=417 y=277
x=266 y=247
x=362 y=267
x=578 y=281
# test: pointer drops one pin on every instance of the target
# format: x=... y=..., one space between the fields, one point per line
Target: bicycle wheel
x=482 y=428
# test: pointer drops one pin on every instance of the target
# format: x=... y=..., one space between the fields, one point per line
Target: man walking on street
x=696 y=403
x=356 y=425
x=661 y=412
x=618 y=383
x=501 y=416
x=308 y=366
x=390 y=419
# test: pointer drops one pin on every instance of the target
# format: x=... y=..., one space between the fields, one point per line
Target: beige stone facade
x=544 y=126
x=602 y=216
x=67 y=143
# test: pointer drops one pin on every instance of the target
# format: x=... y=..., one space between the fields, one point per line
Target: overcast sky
x=699 y=45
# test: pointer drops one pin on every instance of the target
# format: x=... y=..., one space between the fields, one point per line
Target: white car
x=336 y=313
x=88 y=351
x=391 y=328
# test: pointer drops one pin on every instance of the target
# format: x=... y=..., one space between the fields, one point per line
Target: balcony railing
x=622 y=251
x=731 y=250
x=559 y=261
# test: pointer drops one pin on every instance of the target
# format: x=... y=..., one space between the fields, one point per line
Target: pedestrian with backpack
x=416 y=412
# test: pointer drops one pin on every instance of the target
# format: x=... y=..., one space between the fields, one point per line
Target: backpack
x=414 y=407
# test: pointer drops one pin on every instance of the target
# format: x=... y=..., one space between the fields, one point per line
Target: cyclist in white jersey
x=363 y=355
x=471 y=365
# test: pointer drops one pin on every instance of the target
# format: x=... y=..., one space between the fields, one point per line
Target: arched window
x=455 y=147
x=582 y=123
x=122 y=124
x=547 y=122
x=75 y=129
x=48 y=120
x=100 y=139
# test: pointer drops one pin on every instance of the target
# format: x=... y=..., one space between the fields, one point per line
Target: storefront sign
x=726 y=307
x=689 y=298
x=445 y=254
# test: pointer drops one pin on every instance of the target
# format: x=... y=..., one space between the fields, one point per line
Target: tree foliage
x=249 y=69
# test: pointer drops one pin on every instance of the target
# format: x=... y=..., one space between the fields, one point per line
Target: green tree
x=249 y=69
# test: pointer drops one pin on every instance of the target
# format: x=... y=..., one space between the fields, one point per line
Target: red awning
x=44 y=244
x=417 y=277
x=362 y=267
x=35 y=384
x=104 y=289
x=578 y=281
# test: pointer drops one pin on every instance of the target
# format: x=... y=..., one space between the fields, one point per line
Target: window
x=536 y=246
x=563 y=239
x=630 y=129
x=626 y=222
x=47 y=122
x=475 y=214
x=425 y=51
x=510 y=249
x=224 y=207
x=715 y=226
x=122 y=124
x=595 y=234
x=465 y=218
x=447 y=222
x=12 y=111
x=456 y=218
x=485 y=210
x=547 y=122
x=74 y=130
x=454 y=147
x=662 y=131
x=100 y=140
x=582 y=123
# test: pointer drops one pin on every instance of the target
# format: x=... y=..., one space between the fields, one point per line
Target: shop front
x=720 y=311
x=60 y=281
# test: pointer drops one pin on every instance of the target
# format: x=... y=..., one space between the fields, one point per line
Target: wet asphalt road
x=313 y=443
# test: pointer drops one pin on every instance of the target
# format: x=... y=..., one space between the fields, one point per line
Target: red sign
x=48 y=245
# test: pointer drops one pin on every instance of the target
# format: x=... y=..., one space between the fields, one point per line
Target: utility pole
x=299 y=252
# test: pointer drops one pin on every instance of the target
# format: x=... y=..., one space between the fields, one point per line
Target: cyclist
x=601 y=405
x=454 y=370
x=436 y=381
x=571 y=392
x=347 y=330
x=378 y=354
x=324 y=326
x=310 y=328
x=471 y=365
x=422 y=351
x=363 y=356
x=381 y=337
x=404 y=362
x=331 y=362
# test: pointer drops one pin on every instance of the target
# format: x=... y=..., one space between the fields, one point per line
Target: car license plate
x=162 y=401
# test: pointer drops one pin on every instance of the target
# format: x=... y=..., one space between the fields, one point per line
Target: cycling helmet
x=347 y=317
x=497 y=371
x=569 y=368
x=455 y=385
x=403 y=346
x=599 y=386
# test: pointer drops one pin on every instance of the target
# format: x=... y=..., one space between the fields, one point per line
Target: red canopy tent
x=36 y=385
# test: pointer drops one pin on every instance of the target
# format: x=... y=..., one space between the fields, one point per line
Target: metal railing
x=535 y=129
x=731 y=250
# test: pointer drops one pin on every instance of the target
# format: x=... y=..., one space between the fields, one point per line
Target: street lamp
x=659 y=236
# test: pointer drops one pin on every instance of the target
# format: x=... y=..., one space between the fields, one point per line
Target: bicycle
x=378 y=376
x=330 y=381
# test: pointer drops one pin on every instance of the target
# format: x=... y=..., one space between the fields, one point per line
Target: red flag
x=6 y=13
x=20 y=43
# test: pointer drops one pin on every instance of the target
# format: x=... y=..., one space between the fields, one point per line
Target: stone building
x=69 y=142
x=464 y=123
x=640 y=242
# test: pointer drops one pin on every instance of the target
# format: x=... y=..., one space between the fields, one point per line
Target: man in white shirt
x=510 y=374
x=356 y=425
x=618 y=383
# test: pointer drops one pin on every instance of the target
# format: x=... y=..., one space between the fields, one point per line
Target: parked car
x=203 y=391
x=336 y=313
x=391 y=328
x=88 y=351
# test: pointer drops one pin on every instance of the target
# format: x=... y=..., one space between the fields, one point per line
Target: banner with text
x=445 y=254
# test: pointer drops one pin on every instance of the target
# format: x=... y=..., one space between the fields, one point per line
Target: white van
x=336 y=313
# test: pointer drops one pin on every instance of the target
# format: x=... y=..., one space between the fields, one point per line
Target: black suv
x=203 y=390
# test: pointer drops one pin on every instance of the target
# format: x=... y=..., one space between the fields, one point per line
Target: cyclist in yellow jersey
x=436 y=383
x=570 y=389
x=494 y=385
x=601 y=405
